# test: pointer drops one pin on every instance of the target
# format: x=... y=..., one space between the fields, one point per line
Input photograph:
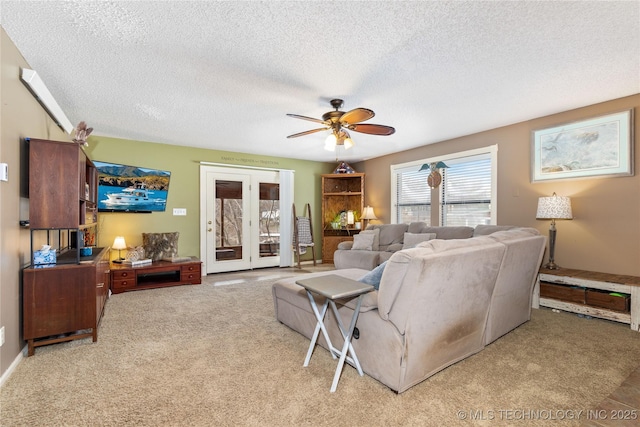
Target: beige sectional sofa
x=437 y=304
x=390 y=238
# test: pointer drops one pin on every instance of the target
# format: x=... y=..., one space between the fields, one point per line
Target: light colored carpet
x=214 y=355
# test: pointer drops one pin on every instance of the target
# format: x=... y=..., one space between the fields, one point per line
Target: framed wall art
x=600 y=146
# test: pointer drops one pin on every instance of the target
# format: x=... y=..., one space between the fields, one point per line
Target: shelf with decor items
x=342 y=196
x=67 y=282
x=603 y=295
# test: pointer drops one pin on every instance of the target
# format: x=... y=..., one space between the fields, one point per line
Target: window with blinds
x=413 y=196
x=466 y=191
x=465 y=194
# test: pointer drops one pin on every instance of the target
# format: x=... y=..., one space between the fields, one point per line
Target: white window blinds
x=413 y=195
x=466 y=191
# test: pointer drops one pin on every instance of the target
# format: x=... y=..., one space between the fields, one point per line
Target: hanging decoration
x=434 y=179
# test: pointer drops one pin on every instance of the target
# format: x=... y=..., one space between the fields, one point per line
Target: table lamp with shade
x=368 y=215
x=553 y=207
x=119 y=244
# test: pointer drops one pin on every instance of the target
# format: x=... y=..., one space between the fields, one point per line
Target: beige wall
x=20 y=116
x=605 y=234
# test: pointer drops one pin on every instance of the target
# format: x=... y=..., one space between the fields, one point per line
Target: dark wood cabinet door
x=54 y=183
x=59 y=300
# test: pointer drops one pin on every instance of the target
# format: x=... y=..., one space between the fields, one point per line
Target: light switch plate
x=4 y=172
x=180 y=211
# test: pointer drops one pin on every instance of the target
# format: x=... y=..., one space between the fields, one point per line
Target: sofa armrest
x=367 y=260
x=345 y=245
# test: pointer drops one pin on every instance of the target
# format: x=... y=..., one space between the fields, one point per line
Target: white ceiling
x=222 y=75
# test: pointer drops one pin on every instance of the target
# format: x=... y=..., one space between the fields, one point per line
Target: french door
x=241 y=227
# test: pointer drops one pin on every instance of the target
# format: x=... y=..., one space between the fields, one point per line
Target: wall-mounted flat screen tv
x=123 y=188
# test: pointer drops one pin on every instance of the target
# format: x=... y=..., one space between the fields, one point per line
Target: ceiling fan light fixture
x=346 y=139
x=330 y=142
x=338 y=122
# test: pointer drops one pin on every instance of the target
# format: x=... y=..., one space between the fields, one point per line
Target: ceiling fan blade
x=307 y=132
x=373 y=129
x=311 y=119
x=356 y=115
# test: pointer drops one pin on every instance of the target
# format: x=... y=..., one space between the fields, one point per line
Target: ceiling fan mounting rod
x=336 y=103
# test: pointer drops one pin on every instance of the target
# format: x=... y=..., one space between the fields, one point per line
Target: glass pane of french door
x=229 y=214
x=269 y=218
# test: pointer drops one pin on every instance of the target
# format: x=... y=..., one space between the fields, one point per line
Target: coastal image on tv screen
x=123 y=188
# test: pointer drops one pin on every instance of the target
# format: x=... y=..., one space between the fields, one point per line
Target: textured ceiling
x=222 y=75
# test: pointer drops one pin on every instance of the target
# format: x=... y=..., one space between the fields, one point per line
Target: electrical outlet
x=179 y=211
x=1 y=336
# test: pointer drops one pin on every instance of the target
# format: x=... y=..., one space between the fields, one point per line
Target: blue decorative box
x=44 y=258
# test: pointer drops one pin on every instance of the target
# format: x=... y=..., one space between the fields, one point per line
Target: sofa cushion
x=517 y=233
x=385 y=256
x=393 y=277
x=373 y=277
x=363 y=242
x=445 y=232
x=376 y=237
x=441 y=245
x=366 y=260
x=395 y=247
x=397 y=268
x=389 y=234
x=412 y=239
x=486 y=229
x=288 y=290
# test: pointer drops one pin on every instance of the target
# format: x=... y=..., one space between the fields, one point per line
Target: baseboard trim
x=307 y=262
x=6 y=374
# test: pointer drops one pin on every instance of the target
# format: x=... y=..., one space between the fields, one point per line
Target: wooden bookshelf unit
x=155 y=275
x=341 y=192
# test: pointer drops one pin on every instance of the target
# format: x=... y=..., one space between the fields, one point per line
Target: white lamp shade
x=368 y=213
x=119 y=243
x=554 y=207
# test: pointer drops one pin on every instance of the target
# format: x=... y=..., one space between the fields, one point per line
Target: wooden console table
x=155 y=275
x=573 y=294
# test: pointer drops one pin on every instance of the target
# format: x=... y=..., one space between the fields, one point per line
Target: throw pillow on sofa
x=374 y=276
x=160 y=245
x=376 y=238
x=412 y=239
x=363 y=242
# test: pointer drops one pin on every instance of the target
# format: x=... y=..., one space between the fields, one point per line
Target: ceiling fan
x=339 y=122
